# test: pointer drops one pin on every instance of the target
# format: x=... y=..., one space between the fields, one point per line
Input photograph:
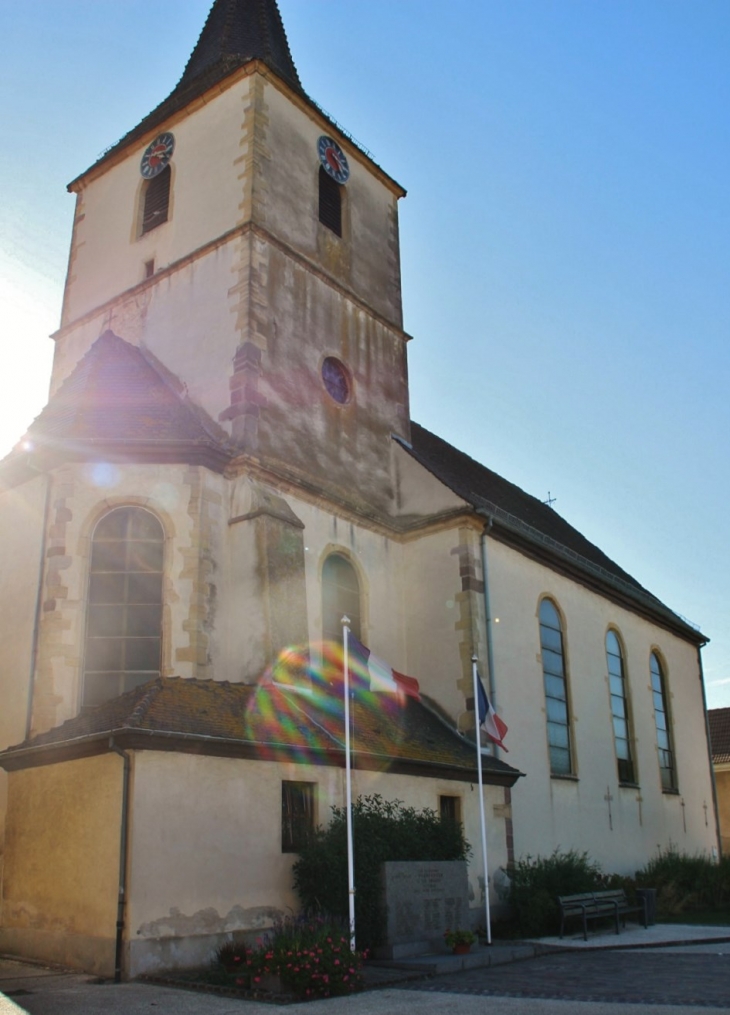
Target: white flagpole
x=348 y=782
x=477 y=736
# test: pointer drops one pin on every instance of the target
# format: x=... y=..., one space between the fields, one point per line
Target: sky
x=565 y=240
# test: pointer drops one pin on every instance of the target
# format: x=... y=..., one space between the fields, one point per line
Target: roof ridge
x=138 y=713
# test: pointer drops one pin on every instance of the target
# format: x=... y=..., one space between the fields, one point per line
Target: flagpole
x=477 y=737
x=348 y=783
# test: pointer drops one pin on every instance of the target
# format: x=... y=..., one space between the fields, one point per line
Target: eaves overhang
x=560 y=558
x=169 y=112
x=132 y=739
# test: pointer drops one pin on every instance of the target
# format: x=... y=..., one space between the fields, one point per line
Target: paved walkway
x=677 y=970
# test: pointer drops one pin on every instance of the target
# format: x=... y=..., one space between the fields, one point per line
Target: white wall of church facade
x=206 y=200
x=205 y=852
x=366 y=259
x=552 y=812
x=21 y=523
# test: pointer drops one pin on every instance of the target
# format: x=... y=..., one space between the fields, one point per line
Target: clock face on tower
x=333 y=159
x=157 y=155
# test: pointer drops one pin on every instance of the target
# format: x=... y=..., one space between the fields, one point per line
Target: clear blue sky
x=565 y=239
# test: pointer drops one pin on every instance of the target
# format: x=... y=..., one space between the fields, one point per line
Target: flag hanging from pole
x=490 y=722
x=376 y=675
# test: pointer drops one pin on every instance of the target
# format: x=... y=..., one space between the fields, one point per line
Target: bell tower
x=246 y=241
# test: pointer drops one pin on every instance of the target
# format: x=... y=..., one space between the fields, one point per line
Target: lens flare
x=299 y=705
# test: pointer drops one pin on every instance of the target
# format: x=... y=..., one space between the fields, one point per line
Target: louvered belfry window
x=124 y=612
x=156 y=200
x=330 y=202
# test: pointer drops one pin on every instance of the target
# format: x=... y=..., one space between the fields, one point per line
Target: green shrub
x=685 y=883
x=537 y=882
x=382 y=830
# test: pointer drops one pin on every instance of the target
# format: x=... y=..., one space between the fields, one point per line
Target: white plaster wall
x=555 y=813
x=205 y=201
x=205 y=854
x=21 y=528
x=185 y=319
x=366 y=258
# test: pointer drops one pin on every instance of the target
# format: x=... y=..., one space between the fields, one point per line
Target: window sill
x=671 y=792
x=629 y=785
x=564 y=778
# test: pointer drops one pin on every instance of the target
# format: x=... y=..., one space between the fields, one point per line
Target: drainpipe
x=709 y=752
x=491 y=683
x=123 y=853
x=38 y=609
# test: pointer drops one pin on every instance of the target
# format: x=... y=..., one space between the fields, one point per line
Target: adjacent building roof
x=119 y=402
x=720 y=735
x=528 y=523
x=265 y=722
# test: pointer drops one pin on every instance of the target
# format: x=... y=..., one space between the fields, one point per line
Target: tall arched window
x=340 y=597
x=156 y=197
x=556 y=689
x=619 y=708
x=662 y=721
x=330 y=202
x=124 y=618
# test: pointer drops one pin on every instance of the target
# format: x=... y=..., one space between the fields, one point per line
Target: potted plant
x=459 y=941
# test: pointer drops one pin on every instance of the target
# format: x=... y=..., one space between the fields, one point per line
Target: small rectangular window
x=149 y=269
x=297 y=815
x=450 y=808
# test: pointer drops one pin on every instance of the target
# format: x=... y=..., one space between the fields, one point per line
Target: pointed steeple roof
x=236 y=33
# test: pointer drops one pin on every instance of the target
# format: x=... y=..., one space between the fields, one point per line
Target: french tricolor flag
x=377 y=674
x=490 y=722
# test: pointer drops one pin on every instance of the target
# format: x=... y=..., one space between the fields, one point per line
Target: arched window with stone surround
x=662 y=721
x=622 y=733
x=124 y=610
x=340 y=597
x=556 y=689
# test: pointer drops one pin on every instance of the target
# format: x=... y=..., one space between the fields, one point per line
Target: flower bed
x=308 y=957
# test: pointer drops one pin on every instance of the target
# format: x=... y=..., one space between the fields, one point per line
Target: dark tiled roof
x=115 y=397
x=242 y=30
x=528 y=519
x=235 y=33
x=279 y=723
x=720 y=734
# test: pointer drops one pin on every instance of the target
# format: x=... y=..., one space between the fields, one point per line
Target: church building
x=225 y=467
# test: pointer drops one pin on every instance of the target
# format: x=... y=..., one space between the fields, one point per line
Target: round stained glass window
x=336 y=380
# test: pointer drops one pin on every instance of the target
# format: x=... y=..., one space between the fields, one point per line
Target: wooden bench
x=599 y=906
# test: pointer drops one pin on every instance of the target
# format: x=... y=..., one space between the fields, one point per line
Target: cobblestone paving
x=613 y=976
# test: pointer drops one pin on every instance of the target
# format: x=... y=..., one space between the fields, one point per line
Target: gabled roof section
x=117 y=401
x=236 y=33
x=524 y=521
x=265 y=722
x=719 y=735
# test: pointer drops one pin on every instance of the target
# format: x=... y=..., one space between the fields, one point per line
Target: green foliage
x=382 y=830
x=537 y=882
x=685 y=883
x=310 y=955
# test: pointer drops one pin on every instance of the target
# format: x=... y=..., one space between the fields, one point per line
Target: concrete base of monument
x=438 y=963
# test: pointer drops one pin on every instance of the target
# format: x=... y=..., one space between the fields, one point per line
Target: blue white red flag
x=490 y=722
x=377 y=675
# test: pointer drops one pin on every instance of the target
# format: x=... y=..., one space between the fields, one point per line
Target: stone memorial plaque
x=422 y=900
